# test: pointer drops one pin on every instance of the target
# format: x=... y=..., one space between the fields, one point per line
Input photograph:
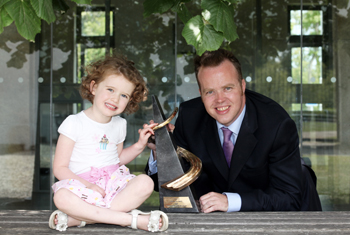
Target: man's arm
x=285 y=186
x=152 y=165
x=151 y=170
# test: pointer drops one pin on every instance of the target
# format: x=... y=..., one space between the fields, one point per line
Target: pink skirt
x=111 y=178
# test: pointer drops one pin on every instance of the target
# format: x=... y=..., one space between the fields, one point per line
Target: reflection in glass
x=93 y=23
x=308 y=107
x=312 y=22
x=89 y=55
x=312 y=65
x=93 y=54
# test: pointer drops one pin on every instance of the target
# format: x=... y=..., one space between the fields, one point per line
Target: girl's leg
x=133 y=195
x=78 y=210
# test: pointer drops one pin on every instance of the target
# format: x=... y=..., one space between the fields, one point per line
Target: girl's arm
x=130 y=153
x=61 y=171
x=64 y=149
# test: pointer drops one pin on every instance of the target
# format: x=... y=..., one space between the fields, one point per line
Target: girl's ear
x=93 y=87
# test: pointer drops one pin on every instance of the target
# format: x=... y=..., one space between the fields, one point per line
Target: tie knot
x=227 y=133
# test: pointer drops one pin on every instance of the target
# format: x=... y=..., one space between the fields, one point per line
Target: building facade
x=295 y=52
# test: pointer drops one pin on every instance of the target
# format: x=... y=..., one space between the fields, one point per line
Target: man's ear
x=93 y=87
x=243 y=85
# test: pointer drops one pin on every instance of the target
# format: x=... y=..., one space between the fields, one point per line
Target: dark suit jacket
x=266 y=169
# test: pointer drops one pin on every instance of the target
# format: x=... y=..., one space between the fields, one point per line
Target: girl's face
x=111 y=96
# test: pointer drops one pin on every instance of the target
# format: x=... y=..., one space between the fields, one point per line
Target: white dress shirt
x=234 y=199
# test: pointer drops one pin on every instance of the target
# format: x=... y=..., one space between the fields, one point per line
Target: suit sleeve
x=284 y=190
x=178 y=134
x=154 y=177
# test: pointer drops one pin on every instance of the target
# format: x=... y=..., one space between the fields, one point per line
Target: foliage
x=206 y=31
x=27 y=14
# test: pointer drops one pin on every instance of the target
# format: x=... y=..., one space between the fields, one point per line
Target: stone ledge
x=336 y=222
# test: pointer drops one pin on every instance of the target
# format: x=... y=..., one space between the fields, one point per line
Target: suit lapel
x=245 y=142
x=211 y=139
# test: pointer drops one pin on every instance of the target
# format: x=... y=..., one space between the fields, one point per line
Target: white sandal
x=62 y=220
x=153 y=224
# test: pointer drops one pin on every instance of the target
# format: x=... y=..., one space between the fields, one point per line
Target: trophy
x=175 y=194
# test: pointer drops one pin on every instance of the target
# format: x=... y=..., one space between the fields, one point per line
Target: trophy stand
x=179 y=198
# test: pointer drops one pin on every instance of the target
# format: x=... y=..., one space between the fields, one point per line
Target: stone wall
x=16 y=175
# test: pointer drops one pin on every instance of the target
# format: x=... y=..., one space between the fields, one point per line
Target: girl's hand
x=145 y=133
x=151 y=142
x=128 y=154
x=97 y=189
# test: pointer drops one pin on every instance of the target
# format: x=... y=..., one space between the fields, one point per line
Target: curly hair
x=120 y=65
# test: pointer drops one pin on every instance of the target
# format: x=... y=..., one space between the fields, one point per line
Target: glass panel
x=149 y=42
x=312 y=22
x=187 y=87
x=93 y=23
x=19 y=110
x=271 y=65
x=312 y=65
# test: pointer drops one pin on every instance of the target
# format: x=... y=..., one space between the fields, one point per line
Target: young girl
x=94 y=185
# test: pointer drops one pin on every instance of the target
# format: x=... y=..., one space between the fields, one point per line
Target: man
x=264 y=171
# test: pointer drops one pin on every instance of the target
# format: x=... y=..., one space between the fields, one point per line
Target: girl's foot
x=61 y=221
x=153 y=221
x=143 y=220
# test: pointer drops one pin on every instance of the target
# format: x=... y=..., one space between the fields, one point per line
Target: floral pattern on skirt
x=111 y=178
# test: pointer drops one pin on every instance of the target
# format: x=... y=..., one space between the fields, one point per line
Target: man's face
x=222 y=93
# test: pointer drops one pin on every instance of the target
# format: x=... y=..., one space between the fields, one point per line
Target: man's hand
x=170 y=127
x=213 y=202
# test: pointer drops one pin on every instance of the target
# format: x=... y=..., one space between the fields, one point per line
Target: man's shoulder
x=195 y=103
x=193 y=109
x=264 y=104
x=258 y=97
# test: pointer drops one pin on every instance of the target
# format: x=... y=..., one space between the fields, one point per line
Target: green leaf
x=220 y=15
x=44 y=9
x=202 y=36
x=82 y=1
x=2 y=2
x=156 y=6
x=27 y=22
x=232 y=1
x=60 y=6
x=182 y=11
x=5 y=19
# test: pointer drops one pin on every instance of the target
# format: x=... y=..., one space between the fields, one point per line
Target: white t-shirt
x=95 y=143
